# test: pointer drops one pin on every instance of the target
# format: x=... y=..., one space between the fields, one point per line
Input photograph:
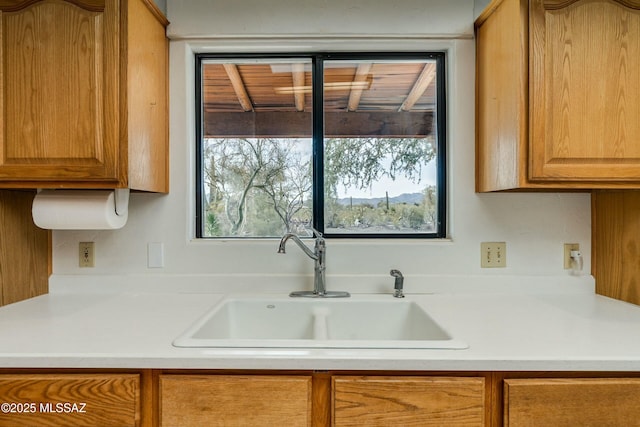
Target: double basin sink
x=374 y=321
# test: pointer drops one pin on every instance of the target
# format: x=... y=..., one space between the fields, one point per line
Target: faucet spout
x=298 y=241
x=318 y=256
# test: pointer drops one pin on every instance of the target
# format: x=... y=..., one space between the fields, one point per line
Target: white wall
x=535 y=226
x=162 y=5
x=260 y=18
x=478 y=6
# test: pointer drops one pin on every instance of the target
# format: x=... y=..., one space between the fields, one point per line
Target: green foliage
x=211 y=224
x=358 y=162
x=256 y=186
x=259 y=187
x=398 y=218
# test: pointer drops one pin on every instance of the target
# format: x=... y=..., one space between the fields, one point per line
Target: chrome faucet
x=398 y=283
x=318 y=256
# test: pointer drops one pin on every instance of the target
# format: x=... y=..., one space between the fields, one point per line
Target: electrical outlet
x=568 y=247
x=493 y=254
x=86 y=254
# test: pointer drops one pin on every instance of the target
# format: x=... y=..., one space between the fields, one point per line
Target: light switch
x=155 y=255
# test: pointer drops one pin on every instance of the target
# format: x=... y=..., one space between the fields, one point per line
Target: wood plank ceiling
x=360 y=99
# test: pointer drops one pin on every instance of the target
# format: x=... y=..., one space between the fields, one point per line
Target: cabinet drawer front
x=235 y=400
x=593 y=402
x=70 y=400
x=408 y=401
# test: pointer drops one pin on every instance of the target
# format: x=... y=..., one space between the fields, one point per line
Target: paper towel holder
x=121 y=200
x=79 y=209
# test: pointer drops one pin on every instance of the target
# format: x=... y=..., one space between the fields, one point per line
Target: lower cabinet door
x=583 y=402
x=408 y=401
x=78 y=400
x=235 y=400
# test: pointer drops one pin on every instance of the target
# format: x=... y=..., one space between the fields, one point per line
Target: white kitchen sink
x=373 y=321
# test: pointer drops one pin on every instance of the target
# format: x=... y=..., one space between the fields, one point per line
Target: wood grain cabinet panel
x=558 y=94
x=408 y=401
x=78 y=400
x=235 y=400
x=24 y=249
x=615 y=244
x=501 y=96
x=585 y=95
x=83 y=94
x=596 y=402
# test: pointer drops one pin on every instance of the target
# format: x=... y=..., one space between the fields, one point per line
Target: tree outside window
x=381 y=146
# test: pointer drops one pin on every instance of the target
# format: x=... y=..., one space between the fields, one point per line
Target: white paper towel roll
x=77 y=210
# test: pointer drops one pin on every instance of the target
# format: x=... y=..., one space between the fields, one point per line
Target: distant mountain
x=408 y=198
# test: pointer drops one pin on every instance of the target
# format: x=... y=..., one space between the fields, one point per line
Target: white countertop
x=572 y=331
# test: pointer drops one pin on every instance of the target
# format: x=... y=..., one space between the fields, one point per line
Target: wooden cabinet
x=558 y=94
x=235 y=400
x=615 y=244
x=320 y=399
x=408 y=401
x=24 y=249
x=581 y=402
x=83 y=94
x=70 y=400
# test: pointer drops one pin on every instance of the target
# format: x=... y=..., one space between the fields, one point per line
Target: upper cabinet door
x=59 y=90
x=584 y=90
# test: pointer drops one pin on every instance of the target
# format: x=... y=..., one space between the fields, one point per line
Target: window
x=351 y=144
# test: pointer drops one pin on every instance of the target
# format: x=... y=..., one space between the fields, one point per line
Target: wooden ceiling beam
x=420 y=86
x=238 y=86
x=362 y=72
x=297 y=72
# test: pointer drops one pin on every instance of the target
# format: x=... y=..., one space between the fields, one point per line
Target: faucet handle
x=316 y=233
